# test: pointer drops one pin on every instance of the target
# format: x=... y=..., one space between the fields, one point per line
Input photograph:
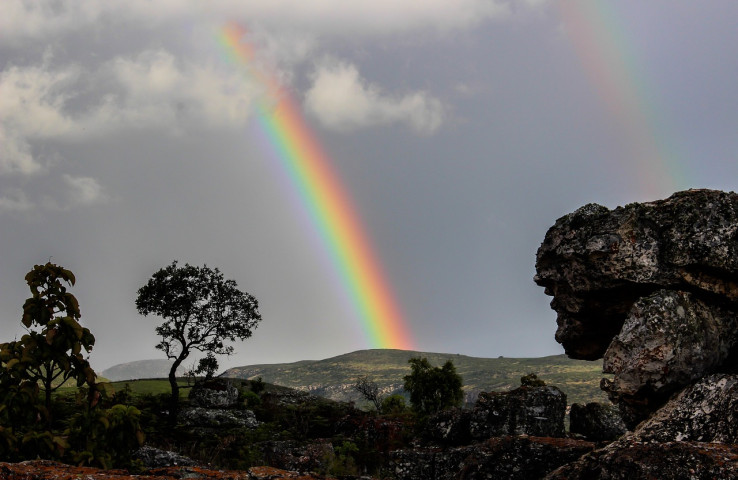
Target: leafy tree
x=433 y=389
x=201 y=311
x=52 y=350
x=369 y=390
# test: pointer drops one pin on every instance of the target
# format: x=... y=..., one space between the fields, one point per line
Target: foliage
x=51 y=352
x=394 y=405
x=64 y=428
x=369 y=390
x=531 y=380
x=433 y=389
x=201 y=311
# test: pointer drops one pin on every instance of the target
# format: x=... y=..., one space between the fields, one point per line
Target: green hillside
x=333 y=377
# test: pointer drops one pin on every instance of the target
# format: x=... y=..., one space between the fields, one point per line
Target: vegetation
x=579 y=379
x=369 y=390
x=433 y=389
x=201 y=311
x=84 y=429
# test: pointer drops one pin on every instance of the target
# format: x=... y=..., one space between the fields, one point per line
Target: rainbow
x=615 y=69
x=325 y=200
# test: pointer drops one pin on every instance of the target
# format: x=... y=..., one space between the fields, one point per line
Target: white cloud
x=341 y=100
x=83 y=190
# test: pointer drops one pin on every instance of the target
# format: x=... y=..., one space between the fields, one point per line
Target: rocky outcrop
x=652 y=288
x=501 y=458
x=217 y=418
x=215 y=393
x=597 y=422
x=151 y=457
x=528 y=410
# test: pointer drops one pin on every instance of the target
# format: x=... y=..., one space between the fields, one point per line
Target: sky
x=458 y=131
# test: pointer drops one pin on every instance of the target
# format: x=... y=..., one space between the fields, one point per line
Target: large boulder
x=652 y=287
x=218 y=418
x=528 y=410
x=537 y=411
x=215 y=393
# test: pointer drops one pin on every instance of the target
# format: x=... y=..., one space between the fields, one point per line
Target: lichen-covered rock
x=704 y=412
x=669 y=339
x=214 y=418
x=597 y=262
x=627 y=459
x=46 y=470
x=537 y=411
x=152 y=457
x=216 y=393
x=501 y=458
x=597 y=422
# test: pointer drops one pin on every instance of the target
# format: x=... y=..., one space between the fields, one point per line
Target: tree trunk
x=174 y=401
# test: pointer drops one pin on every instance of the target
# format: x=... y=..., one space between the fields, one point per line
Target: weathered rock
x=705 y=412
x=152 y=457
x=216 y=393
x=597 y=262
x=669 y=339
x=502 y=458
x=537 y=411
x=627 y=459
x=652 y=287
x=214 y=418
x=597 y=422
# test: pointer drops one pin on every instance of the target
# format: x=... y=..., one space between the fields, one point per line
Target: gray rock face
x=537 y=411
x=152 y=457
x=214 y=418
x=669 y=339
x=652 y=287
x=597 y=422
x=704 y=412
x=217 y=393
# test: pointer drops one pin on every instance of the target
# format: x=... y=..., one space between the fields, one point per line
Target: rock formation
x=652 y=288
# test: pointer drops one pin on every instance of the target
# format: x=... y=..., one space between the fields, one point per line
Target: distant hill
x=334 y=377
x=139 y=369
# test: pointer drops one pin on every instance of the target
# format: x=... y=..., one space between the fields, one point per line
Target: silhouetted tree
x=433 y=389
x=201 y=311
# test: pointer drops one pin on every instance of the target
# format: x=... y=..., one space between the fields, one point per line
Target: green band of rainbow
x=327 y=204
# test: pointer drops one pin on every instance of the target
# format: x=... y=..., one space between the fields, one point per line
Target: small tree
x=201 y=311
x=369 y=390
x=51 y=352
x=433 y=389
